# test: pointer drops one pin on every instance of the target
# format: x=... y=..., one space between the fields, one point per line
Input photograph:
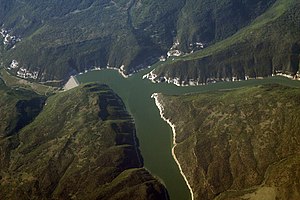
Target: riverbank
x=161 y=112
x=154 y=78
x=14 y=81
x=72 y=83
x=153 y=132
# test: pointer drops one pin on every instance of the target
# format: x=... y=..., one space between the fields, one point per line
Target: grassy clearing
x=13 y=81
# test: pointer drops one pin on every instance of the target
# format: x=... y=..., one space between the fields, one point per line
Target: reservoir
x=154 y=134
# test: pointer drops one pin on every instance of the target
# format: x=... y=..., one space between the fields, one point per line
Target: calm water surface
x=155 y=136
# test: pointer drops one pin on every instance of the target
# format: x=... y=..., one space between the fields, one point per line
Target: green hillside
x=82 y=145
x=270 y=44
x=61 y=38
x=239 y=144
x=18 y=108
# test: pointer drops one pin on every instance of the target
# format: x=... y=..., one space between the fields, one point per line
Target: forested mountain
x=56 y=38
x=268 y=45
x=80 y=144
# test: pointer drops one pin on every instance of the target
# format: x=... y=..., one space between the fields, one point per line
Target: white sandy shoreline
x=120 y=70
x=161 y=112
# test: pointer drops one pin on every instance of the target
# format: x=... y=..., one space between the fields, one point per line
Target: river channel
x=154 y=134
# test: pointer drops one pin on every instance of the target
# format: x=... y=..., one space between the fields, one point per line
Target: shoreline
x=154 y=78
x=73 y=82
x=161 y=112
x=120 y=70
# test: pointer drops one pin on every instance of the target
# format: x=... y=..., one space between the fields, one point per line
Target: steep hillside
x=239 y=144
x=81 y=146
x=209 y=21
x=51 y=39
x=18 y=108
x=269 y=45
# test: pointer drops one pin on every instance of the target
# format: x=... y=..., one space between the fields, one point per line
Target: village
x=174 y=52
x=9 y=40
x=23 y=72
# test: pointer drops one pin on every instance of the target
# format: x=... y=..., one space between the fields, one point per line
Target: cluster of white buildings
x=27 y=74
x=13 y=65
x=22 y=72
x=8 y=39
x=174 y=52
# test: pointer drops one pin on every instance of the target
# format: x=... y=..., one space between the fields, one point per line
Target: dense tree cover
x=59 y=38
x=268 y=45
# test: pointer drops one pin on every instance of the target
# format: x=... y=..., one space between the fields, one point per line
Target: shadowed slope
x=269 y=45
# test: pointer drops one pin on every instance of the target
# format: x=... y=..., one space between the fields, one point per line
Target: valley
x=149 y=99
x=155 y=136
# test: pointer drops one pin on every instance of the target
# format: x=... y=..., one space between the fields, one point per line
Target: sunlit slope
x=239 y=144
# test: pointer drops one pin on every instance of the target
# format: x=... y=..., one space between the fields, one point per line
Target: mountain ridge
x=81 y=145
x=257 y=50
x=132 y=34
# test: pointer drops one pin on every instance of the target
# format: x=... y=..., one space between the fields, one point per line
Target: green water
x=155 y=136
